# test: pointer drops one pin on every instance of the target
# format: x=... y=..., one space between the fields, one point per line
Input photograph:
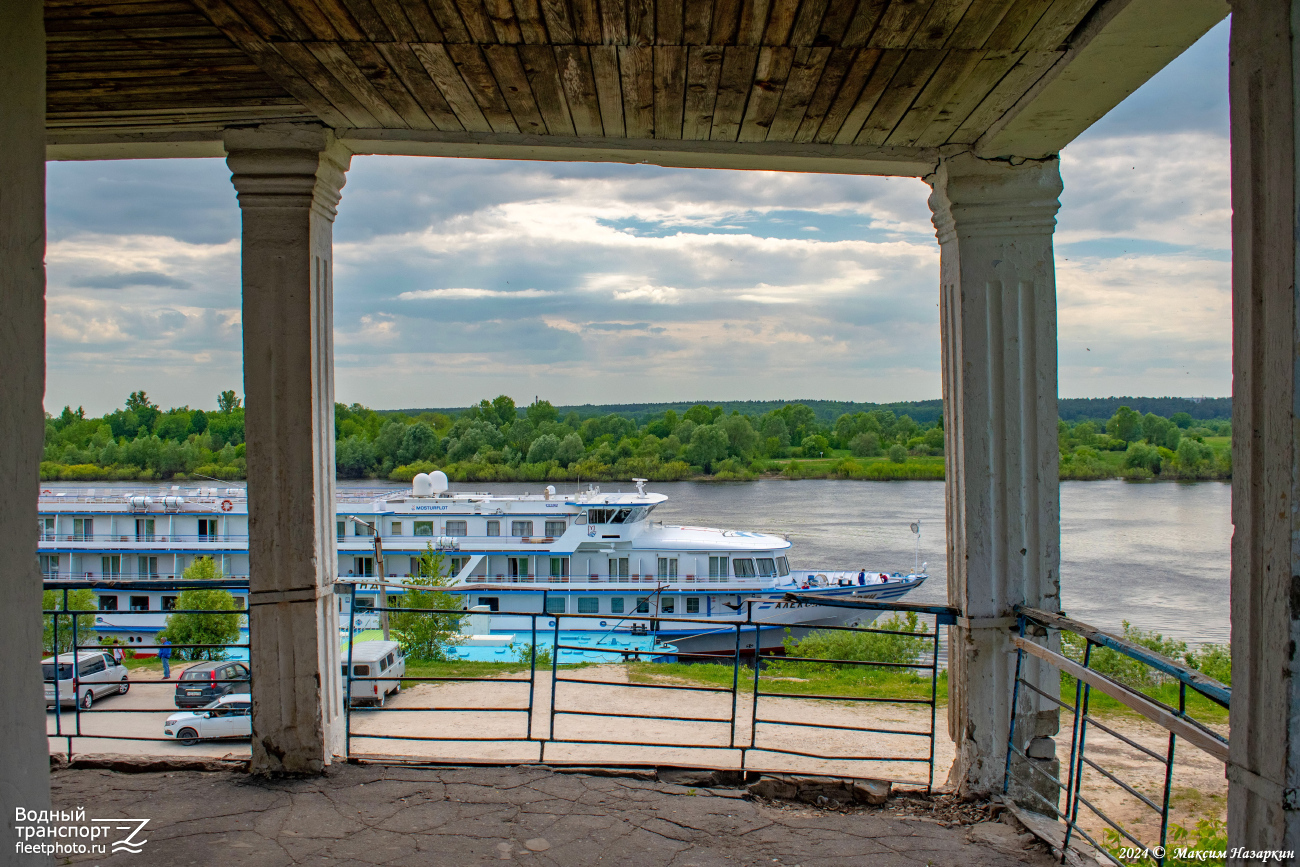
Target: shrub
x=898 y=453
x=865 y=445
x=860 y=646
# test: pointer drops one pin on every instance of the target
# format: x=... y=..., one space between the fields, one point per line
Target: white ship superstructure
x=588 y=552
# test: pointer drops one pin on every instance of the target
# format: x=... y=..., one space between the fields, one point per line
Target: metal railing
x=64 y=625
x=550 y=702
x=1035 y=628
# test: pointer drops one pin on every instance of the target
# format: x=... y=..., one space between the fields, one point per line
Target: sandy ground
x=490 y=722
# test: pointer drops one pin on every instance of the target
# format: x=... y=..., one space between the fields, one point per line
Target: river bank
x=1080 y=465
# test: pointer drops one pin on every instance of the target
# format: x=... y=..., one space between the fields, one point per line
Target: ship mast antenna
x=916 y=529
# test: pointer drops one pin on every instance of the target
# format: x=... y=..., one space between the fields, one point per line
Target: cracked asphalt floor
x=387 y=815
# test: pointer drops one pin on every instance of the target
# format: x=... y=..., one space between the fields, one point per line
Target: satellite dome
x=438 y=481
x=422 y=485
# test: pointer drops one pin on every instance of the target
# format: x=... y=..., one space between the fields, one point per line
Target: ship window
x=457 y=528
x=668 y=568
x=521 y=529
x=616 y=605
x=718 y=567
x=744 y=567
x=621 y=517
x=365 y=602
x=599 y=516
x=397 y=528
x=83 y=529
x=47 y=529
x=111 y=566
x=692 y=605
x=589 y=605
x=169 y=603
x=642 y=605
x=207 y=529
x=360 y=529
x=667 y=605
x=340 y=528
x=494 y=528
x=559 y=567
x=144 y=529
x=618 y=567
x=139 y=603
x=555 y=528
x=783 y=566
x=424 y=528
x=108 y=603
x=493 y=603
x=766 y=567
x=554 y=604
x=50 y=565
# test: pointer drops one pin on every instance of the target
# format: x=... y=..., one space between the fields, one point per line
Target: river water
x=1153 y=553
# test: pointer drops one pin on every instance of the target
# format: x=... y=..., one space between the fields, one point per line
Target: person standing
x=165 y=654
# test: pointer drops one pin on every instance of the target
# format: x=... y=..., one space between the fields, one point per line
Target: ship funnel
x=422 y=485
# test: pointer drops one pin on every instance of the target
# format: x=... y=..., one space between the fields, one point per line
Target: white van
x=98 y=674
x=377 y=659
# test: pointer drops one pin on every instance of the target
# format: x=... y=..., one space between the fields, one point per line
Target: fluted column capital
x=972 y=197
x=287 y=166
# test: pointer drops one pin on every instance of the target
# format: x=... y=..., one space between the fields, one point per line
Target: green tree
x=898 y=453
x=426 y=636
x=504 y=407
x=227 y=401
x=865 y=445
x=1125 y=424
x=570 y=450
x=709 y=444
x=78 y=600
x=741 y=434
x=539 y=412
x=543 y=449
x=219 y=627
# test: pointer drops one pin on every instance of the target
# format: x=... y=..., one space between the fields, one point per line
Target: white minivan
x=377 y=659
x=98 y=674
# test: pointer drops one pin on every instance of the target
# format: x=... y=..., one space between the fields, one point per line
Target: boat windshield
x=65 y=671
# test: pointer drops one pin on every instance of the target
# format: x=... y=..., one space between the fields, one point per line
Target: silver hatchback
x=98 y=674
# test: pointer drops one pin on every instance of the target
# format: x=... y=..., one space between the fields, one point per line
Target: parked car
x=228 y=717
x=202 y=684
x=97 y=674
x=374 y=659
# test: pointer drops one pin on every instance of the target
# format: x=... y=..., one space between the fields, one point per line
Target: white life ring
x=226 y=505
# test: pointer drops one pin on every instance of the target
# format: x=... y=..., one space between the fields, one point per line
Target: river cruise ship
x=589 y=552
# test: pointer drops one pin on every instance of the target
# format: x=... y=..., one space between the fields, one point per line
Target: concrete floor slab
x=386 y=815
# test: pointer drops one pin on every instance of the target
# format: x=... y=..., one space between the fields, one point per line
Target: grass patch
x=1199 y=708
x=473 y=668
x=845 y=682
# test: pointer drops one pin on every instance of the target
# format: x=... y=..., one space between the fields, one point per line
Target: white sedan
x=228 y=717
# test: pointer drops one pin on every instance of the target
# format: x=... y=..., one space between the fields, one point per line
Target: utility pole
x=379 y=566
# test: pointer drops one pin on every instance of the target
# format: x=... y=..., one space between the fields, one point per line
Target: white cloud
x=470 y=292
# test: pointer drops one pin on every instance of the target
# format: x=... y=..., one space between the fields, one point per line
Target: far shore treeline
x=498 y=441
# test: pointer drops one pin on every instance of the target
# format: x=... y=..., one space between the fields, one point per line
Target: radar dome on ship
x=429 y=484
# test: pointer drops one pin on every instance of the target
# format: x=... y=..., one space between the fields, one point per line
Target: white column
x=1264 y=769
x=288 y=178
x=994 y=222
x=25 y=774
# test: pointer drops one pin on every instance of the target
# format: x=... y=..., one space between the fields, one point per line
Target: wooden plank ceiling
x=911 y=73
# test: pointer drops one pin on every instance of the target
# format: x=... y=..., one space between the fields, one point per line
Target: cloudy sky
x=460 y=279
